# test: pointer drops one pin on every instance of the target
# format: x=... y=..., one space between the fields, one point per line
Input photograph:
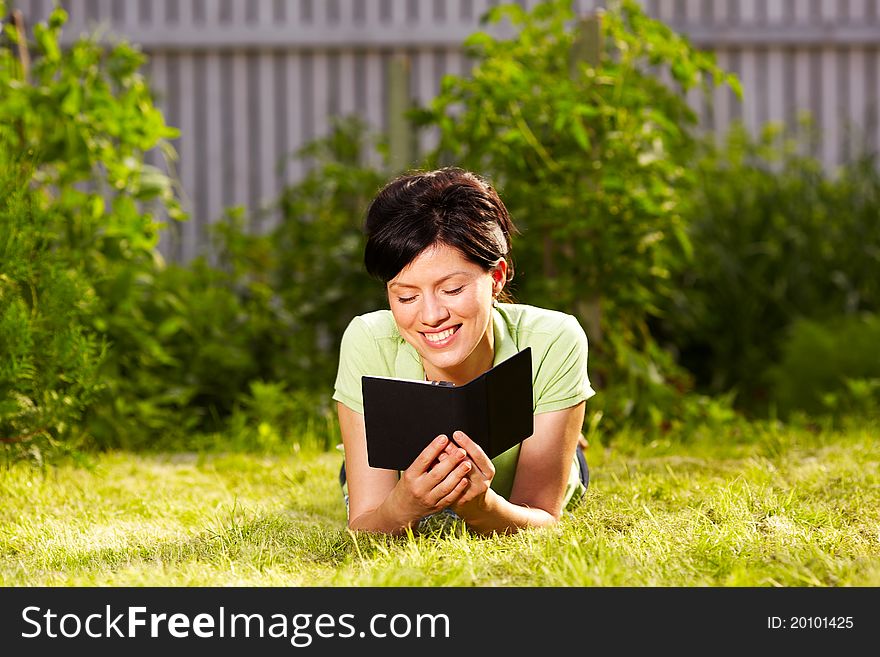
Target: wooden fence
x=250 y=81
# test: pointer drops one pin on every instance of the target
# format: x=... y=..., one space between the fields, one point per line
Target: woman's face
x=442 y=304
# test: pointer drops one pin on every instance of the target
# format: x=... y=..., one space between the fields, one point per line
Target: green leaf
x=58 y=17
x=11 y=32
x=47 y=42
x=580 y=134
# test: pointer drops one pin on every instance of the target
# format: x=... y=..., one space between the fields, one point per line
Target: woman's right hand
x=432 y=483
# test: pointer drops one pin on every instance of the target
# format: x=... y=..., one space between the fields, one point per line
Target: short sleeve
x=561 y=378
x=356 y=353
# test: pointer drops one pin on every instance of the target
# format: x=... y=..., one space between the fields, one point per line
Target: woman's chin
x=442 y=361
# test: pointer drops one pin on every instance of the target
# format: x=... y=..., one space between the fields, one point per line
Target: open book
x=403 y=416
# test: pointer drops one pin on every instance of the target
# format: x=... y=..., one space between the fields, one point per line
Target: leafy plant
x=591 y=154
x=259 y=328
x=318 y=250
x=272 y=418
x=775 y=238
x=49 y=356
x=79 y=236
x=830 y=366
x=84 y=117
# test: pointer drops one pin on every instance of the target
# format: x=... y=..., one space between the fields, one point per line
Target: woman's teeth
x=439 y=337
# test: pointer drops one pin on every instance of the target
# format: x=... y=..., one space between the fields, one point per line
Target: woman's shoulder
x=559 y=354
x=372 y=338
x=377 y=324
x=525 y=322
x=369 y=346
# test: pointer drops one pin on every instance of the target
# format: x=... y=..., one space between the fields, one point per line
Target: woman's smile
x=441 y=338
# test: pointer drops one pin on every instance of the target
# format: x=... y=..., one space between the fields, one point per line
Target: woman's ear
x=499 y=277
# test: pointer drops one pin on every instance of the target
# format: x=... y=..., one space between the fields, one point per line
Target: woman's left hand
x=475 y=498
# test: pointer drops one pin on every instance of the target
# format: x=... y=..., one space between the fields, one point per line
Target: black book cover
x=403 y=416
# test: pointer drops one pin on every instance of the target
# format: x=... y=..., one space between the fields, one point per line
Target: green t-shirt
x=372 y=345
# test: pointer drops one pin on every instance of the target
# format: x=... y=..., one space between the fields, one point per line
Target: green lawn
x=765 y=507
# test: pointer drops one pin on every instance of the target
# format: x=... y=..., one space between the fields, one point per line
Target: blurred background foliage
x=718 y=282
x=775 y=240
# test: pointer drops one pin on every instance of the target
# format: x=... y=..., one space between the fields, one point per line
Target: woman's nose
x=434 y=311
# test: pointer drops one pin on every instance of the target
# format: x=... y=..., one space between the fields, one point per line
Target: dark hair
x=448 y=206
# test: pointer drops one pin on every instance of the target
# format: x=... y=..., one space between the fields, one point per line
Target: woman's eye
x=455 y=291
x=405 y=299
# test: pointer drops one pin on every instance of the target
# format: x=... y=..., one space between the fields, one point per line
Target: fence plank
x=187 y=235
x=267 y=123
x=873 y=120
x=400 y=134
x=830 y=148
x=294 y=115
x=215 y=140
x=855 y=104
x=775 y=82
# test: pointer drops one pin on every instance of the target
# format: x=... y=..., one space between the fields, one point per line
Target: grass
x=769 y=506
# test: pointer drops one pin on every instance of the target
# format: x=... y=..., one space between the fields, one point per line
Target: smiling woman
x=440 y=242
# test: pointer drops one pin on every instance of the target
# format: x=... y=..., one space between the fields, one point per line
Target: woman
x=440 y=242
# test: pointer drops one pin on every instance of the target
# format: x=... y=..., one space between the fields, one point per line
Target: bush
x=273 y=418
x=317 y=252
x=183 y=351
x=49 y=353
x=259 y=328
x=775 y=238
x=591 y=153
x=829 y=367
x=79 y=230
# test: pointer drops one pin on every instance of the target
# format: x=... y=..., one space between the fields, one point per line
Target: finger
x=451 y=449
x=426 y=458
x=445 y=466
x=457 y=480
x=457 y=493
x=474 y=452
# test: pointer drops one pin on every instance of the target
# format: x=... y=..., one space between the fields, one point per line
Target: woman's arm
x=380 y=501
x=542 y=473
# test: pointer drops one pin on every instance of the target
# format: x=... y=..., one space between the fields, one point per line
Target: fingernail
x=441 y=439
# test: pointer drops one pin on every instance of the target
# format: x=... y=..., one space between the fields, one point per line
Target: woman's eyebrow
x=437 y=282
